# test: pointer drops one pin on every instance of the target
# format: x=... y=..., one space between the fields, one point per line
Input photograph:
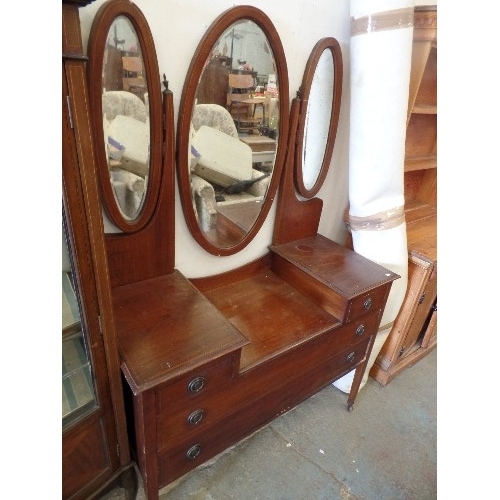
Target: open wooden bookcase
x=415 y=330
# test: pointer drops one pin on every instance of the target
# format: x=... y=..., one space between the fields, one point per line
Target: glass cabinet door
x=78 y=387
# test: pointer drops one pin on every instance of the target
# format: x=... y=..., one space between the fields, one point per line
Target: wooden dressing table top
x=162 y=324
x=335 y=265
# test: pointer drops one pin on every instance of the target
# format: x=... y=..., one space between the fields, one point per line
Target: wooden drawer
x=365 y=303
x=196 y=385
x=334 y=302
x=178 y=418
x=342 y=282
x=185 y=454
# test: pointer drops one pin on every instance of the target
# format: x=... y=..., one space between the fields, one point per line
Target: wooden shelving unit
x=414 y=332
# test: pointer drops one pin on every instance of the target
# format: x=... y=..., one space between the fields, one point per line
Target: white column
x=380 y=62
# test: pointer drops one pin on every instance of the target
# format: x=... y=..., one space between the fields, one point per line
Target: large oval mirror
x=125 y=98
x=320 y=96
x=233 y=124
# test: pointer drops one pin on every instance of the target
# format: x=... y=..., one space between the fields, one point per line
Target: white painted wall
x=177 y=27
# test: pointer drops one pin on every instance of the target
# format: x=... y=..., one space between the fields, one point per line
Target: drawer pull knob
x=360 y=330
x=193 y=452
x=195 y=417
x=196 y=385
x=367 y=303
x=350 y=357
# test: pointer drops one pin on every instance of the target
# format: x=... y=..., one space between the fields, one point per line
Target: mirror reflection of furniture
x=242 y=104
x=212 y=87
x=219 y=166
x=127 y=129
x=133 y=79
x=264 y=43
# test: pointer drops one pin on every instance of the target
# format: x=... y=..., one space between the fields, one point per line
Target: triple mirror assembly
x=233 y=128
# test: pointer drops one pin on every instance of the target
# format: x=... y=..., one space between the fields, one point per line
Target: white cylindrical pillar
x=380 y=63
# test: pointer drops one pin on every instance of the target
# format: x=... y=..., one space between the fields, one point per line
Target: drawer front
x=184 y=417
x=190 y=417
x=186 y=453
x=198 y=384
x=367 y=302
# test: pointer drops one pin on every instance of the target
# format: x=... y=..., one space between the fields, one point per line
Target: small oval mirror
x=232 y=122
x=320 y=96
x=124 y=84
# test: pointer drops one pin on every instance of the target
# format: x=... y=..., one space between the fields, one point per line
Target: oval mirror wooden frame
x=325 y=44
x=187 y=102
x=101 y=26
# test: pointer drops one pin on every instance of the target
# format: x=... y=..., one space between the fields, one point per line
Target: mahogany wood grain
x=96 y=448
x=149 y=252
x=166 y=327
x=294 y=219
x=253 y=382
x=340 y=280
x=273 y=400
x=274 y=316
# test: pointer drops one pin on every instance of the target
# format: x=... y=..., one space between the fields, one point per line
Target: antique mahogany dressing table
x=207 y=361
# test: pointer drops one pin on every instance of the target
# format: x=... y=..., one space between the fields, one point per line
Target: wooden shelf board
x=420 y=163
x=423 y=109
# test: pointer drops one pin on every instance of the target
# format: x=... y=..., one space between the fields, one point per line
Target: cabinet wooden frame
x=414 y=333
x=95 y=449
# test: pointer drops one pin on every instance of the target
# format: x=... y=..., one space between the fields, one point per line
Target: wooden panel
x=418 y=275
x=172 y=421
x=85 y=457
x=422 y=239
x=424 y=304
x=270 y=313
x=427 y=91
x=421 y=136
x=428 y=187
x=166 y=327
x=273 y=402
x=430 y=336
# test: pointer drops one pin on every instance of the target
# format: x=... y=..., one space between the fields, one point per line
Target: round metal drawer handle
x=360 y=330
x=367 y=303
x=196 y=385
x=350 y=357
x=193 y=452
x=195 y=417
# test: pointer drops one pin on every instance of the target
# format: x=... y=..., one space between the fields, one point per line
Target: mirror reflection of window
x=319 y=108
x=78 y=392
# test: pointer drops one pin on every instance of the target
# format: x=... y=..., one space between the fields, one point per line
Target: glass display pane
x=78 y=390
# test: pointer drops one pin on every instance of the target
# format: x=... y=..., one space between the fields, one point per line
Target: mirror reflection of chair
x=222 y=164
x=239 y=96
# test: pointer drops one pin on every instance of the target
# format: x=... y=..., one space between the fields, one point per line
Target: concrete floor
x=385 y=449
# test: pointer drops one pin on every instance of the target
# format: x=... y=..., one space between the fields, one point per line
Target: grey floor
x=385 y=449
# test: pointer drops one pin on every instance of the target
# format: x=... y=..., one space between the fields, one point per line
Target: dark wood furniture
x=213 y=87
x=414 y=333
x=209 y=360
x=95 y=449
